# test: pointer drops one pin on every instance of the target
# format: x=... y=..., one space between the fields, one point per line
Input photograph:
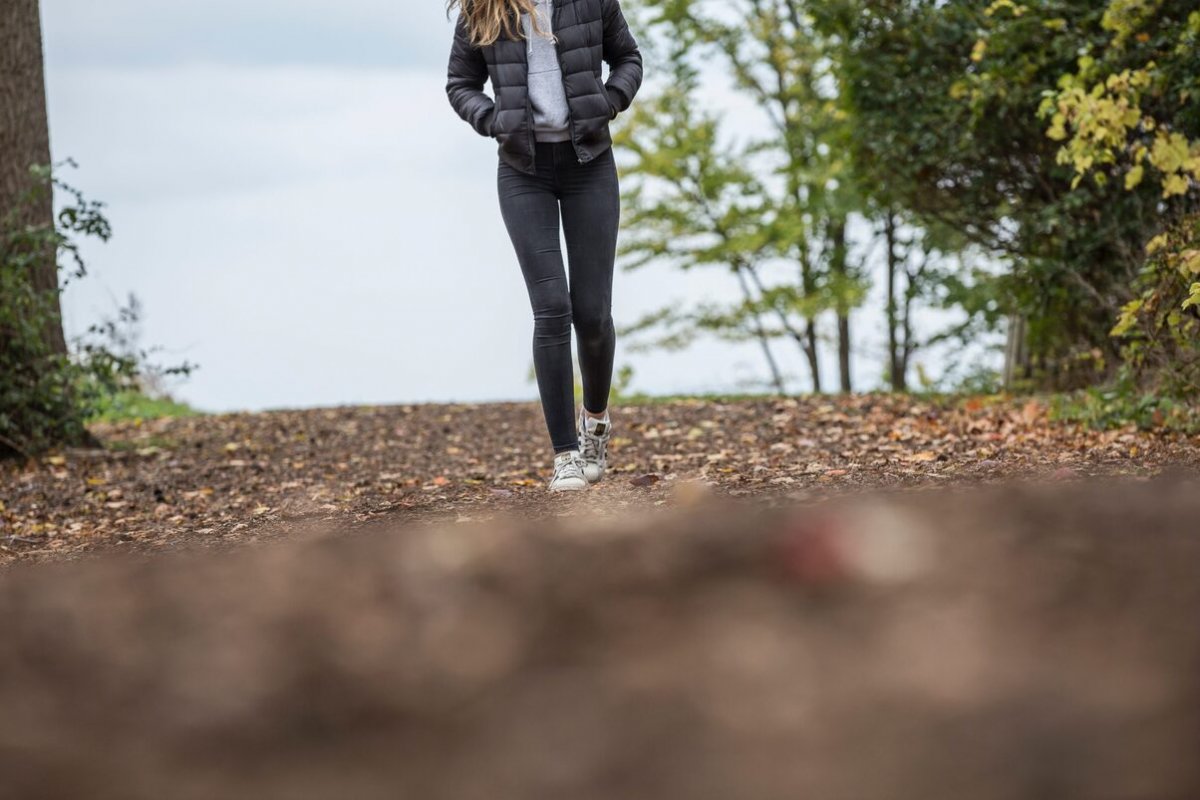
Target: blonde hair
x=487 y=20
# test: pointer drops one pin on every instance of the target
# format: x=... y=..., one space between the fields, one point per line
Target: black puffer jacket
x=588 y=32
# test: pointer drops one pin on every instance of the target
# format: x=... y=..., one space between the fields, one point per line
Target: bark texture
x=897 y=369
x=25 y=138
x=841 y=268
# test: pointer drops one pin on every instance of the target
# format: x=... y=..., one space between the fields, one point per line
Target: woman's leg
x=591 y=215
x=530 y=209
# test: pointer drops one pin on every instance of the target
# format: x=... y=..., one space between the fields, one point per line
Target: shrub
x=47 y=396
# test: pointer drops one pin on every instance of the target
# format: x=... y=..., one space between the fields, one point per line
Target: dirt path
x=1000 y=644
x=222 y=480
x=994 y=644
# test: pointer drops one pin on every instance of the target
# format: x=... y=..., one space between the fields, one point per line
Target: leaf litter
x=227 y=479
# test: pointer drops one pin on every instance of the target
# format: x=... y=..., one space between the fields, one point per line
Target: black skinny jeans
x=589 y=198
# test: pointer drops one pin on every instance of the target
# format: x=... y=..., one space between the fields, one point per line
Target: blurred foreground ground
x=990 y=644
x=225 y=480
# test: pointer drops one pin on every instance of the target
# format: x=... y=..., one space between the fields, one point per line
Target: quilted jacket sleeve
x=466 y=77
x=622 y=55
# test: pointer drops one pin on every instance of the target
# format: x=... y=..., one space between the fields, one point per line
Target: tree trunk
x=786 y=323
x=1014 y=352
x=896 y=368
x=25 y=142
x=908 y=343
x=760 y=333
x=809 y=344
x=841 y=271
x=810 y=352
x=844 y=352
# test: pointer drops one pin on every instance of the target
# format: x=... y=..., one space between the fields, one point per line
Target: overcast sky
x=303 y=215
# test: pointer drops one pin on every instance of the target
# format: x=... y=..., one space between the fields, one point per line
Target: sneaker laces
x=591 y=446
x=568 y=465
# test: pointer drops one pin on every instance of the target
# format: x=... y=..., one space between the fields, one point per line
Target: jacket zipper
x=529 y=100
x=562 y=75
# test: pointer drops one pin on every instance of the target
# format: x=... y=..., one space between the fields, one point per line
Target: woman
x=550 y=116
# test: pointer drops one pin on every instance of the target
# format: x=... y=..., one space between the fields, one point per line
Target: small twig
x=16 y=448
x=21 y=539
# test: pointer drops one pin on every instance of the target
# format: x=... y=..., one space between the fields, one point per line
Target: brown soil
x=224 y=480
x=1001 y=644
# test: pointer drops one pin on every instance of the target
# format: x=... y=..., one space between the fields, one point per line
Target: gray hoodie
x=551 y=116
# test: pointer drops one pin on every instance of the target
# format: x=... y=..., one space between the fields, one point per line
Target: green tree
x=1129 y=116
x=691 y=201
x=944 y=101
x=773 y=54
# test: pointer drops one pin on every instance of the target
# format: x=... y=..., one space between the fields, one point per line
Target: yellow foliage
x=1169 y=153
x=1058 y=128
x=1096 y=123
x=1156 y=244
x=1189 y=262
x=1098 y=126
x=1134 y=177
x=1175 y=185
x=1128 y=318
x=1016 y=9
x=1193 y=299
x=1125 y=17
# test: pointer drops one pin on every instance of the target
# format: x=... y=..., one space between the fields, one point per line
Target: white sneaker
x=568 y=473
x=594 y=435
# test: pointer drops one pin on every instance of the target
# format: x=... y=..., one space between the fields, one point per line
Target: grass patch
x=135 y=405
x=661 y=400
